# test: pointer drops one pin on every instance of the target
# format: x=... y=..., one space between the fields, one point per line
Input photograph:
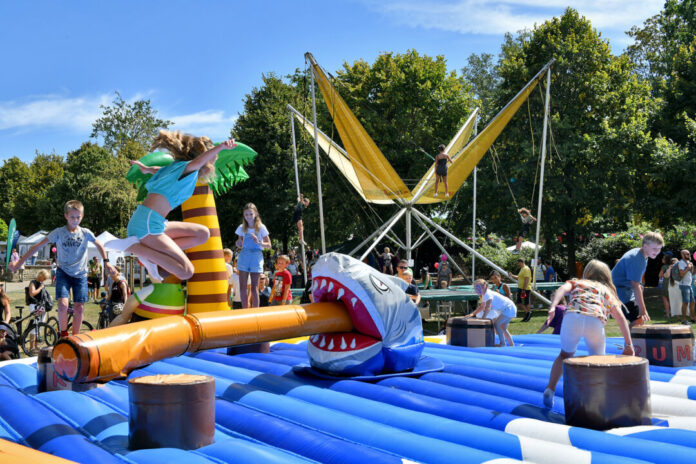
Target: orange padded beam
x=109 y=353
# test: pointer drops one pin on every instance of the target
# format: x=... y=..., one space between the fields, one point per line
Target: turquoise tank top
x=168 y=182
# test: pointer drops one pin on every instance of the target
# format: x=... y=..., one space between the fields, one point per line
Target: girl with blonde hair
x=159 y=242
x=252 y=239
x=592 y=299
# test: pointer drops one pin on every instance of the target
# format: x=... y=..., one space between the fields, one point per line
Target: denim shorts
x=65 y=282
x=687 y=293
x=144 y=222
x=250 y=260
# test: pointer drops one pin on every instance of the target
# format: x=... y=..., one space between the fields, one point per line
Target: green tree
x=124 y=123
x=44 y=171
x=600 y=138
x=15 y=178
x=480 y=72
x=98 y=179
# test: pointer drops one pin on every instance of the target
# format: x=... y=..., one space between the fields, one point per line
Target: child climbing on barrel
x=159 y=242
x=503 y=310
x=592 y=299
x=441 y=160
x=252 y=239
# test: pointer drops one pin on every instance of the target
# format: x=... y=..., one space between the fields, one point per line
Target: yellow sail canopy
x=378 y=179
x=454 y=148
x=460 y=169
x=339 y=158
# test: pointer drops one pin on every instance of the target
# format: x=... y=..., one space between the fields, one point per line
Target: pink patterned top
x=590 y=300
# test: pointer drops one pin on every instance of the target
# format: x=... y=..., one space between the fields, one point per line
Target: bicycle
x=84 y=327
x=37 y=335
x=107 y=314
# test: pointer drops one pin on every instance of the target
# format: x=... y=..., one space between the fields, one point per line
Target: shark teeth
x=341 y=292
x=352 y=344
x=322 y=343
x=339 y=342
x=331 y=286
x=343 y=343
x=331 y=345
x=353 y=301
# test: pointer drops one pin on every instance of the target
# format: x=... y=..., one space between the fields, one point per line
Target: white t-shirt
x=235 y=287
x=686 y=280
x=249 y=243
x=230 y=272
x=500 y=303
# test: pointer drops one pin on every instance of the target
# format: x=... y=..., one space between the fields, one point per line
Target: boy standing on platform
x=282 y=281
x=71 y=242
x=628 y=274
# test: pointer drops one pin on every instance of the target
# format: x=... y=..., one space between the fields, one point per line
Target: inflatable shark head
x=387 y=335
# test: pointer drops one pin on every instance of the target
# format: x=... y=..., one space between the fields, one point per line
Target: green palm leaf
x=229 y=169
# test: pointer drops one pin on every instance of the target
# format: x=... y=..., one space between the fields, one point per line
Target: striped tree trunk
x=207 y=289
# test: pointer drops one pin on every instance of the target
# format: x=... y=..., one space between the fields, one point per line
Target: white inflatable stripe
x=686 y=423
x=675 y=390
x=545 y=431
x=622 y=431
x=501 y=461
x=684 y=377
x=670 y=406
x=545 y=452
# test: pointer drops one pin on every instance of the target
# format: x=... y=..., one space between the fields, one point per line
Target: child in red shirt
x=281 y=282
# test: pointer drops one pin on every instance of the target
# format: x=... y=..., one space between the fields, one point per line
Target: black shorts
x=237 y=305
x=138 y=318
x=94 y=282
x=296 y=216
x=630 y=311
x=525 y=230
x=525 y=300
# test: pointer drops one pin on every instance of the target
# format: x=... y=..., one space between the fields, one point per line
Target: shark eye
x=378 y=284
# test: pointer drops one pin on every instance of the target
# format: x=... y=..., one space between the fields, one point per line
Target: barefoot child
x=503 y=307
x=158 y=242
x=441 y=160
x=252 y=239
x=591 y=300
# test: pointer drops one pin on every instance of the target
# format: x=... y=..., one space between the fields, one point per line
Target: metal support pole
x=541 y=182
x=316 y=154
x=297 y=183
x=439 y=245
x=394 y=220
x=502 y=271
x=379 y=229
x=408 y=234
x=473 y=226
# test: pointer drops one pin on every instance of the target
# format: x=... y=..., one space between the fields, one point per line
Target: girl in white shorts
x=496 y=307
x=591 y=301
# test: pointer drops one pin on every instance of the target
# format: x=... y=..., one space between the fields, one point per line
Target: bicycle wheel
x=37 y=337
x=53 y=322
x=103 y=321
x=84 y=327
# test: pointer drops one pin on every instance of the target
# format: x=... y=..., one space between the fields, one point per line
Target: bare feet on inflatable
x=548 y=398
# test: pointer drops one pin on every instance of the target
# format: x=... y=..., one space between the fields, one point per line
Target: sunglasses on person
x=402 y=267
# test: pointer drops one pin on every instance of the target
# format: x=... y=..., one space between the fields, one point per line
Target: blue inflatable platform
x=485 y=406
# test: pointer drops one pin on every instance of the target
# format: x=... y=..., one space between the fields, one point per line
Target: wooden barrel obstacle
x=669 y=345
x=605 y=392
x=171 y=411
x=470 y=332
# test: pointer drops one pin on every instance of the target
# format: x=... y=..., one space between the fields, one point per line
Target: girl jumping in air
x=253 y=238
x=591 y=300
x=302 y=203
x=158 y=242
x=527 y=220
x=441 y=161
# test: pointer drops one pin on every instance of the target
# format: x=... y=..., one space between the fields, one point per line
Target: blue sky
x=195 y=60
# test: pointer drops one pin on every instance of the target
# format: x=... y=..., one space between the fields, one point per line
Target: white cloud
x=494 y=17
x=77 y=114
x=52 y=111
x=213 y=123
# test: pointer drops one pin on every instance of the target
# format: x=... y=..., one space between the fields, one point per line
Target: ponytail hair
x=183 y=147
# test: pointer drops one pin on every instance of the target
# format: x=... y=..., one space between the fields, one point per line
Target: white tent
x=25 y=243
x=115 y=257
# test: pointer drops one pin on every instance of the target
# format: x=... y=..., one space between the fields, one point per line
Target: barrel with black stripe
x=470 y=332
x=664 y=345
x=207 y=289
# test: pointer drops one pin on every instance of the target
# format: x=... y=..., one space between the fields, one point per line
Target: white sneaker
x=548 y=398
x=447 y=194
x=435 y=194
